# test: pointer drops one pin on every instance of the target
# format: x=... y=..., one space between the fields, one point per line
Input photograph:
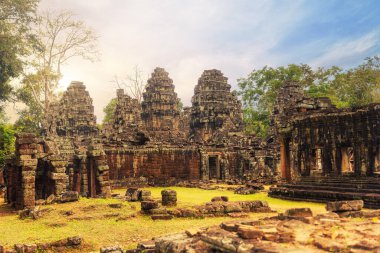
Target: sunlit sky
x=188 y=36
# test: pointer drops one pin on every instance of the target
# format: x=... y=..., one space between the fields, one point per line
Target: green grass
x=97 y=223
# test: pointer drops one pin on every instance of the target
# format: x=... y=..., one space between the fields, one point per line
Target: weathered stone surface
x=68 y=196
x=215 y=111
x=249 y=232
x=111 y=249
x=220 y=198
x=148 y=205
x=298 y=212
x=342 y=206
x=169 y=197
x=161 y=217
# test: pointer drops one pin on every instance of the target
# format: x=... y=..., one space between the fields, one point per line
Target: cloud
x=188 y=36
x=343 y=52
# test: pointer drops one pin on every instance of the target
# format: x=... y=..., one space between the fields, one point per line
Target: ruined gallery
x=316 y=151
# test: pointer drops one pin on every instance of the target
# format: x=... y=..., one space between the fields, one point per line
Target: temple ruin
x=326 y=153
x=318 y=152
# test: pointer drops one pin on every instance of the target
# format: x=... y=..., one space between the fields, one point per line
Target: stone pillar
x=25 y=168
x=98 y=165
x=57 y=173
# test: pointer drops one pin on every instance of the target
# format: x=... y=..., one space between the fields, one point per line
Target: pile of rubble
x=57 y=246
x=296 y=230
x=219 y=206
x=249 y=188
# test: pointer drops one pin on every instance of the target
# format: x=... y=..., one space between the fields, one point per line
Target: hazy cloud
x=188 y=36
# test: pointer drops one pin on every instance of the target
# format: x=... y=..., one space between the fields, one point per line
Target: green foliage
x=7 y=142
x=16 y=40
x=259 y=91
x=109 y=111
x=358 y=86
x=354 y=87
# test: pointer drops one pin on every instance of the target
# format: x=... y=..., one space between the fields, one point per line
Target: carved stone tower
x=216 y=111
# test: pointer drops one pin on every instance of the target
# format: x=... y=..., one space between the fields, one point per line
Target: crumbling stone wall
x=215 y=109
x=155 y=164
x=318 y=139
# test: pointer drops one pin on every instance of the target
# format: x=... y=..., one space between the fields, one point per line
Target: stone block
x=249 y=232
x=68 y=196
x=347 y=205
x=148 y=205
x=298 y=212
x=161 y=217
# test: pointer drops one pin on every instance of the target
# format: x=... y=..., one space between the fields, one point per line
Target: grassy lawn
x=101 y=225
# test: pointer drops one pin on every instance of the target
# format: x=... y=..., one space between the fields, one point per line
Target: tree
x=7 y=142
x=360 y=85
x=346 y=88
x=259 y=90
x=134 y=84
x=109 y=111
x=16 y=38
x=61 y=38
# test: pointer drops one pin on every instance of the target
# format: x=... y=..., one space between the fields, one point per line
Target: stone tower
x=73 y=115
x=126 y=125
x=160 y=112
x=216 y=111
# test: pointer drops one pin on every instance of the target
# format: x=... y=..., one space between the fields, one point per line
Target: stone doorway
x=285 y=159
x=348 y=162
x=213 y=167
x=91 y=172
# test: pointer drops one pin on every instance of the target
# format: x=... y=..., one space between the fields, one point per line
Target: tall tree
x=109 y=111
x=360 y=85
x=259 y=90
x=16 y=40
x=133 y=83
x=62 y=37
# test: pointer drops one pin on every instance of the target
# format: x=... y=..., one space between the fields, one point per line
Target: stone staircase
x=324 y=189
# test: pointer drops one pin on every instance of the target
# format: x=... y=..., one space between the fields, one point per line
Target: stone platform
x=331 y=189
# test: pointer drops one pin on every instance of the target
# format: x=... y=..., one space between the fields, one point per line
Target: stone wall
x=315 y=138
x=155 y=164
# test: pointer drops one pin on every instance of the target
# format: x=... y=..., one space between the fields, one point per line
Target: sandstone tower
x=73 y=115
x=216 y=110
x=160 y=112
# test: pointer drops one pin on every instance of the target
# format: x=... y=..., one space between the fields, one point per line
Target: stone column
x=98 y=160
x=26 y=166
x=57 y=173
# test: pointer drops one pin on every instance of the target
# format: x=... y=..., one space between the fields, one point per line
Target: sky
x=235 y=36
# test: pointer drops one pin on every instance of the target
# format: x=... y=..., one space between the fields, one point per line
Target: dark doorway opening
x=213 y=167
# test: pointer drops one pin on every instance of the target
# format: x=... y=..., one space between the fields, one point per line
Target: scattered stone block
x=148 y=205
x=68 y=196
x=249 y=232
x=162 y=217
x=347 y=205
x=193 y=232
x=111 y=249
x=298 y=212
x=220 y=198
x=169 y=197
x=115 y=205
